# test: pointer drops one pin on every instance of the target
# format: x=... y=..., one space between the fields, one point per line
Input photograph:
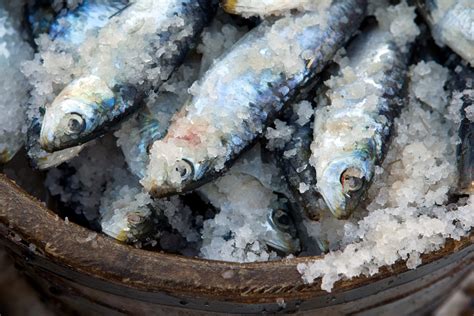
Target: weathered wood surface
x=92 y=273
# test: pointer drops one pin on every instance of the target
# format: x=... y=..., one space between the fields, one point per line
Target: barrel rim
x=98 y=256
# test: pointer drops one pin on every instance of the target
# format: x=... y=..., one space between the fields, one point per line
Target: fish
x=293 y=159
x=115 y=79
x=353 y=131
x=287 y=188
x=265 y=7
x=451 y=24
x=14 y=88
x=243 y=92
x=276 y=227
x=72 y=27
x=462 y=89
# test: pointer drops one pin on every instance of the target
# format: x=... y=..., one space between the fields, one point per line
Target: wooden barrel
x=91 y=274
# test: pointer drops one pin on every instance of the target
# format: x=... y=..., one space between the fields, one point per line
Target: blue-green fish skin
x=146 y=131
x=78 y=25
x=166 y=30
x=89 y=17
x=243 y=92
x=352 y=134
x=71 y=25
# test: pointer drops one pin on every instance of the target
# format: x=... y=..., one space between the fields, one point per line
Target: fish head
x=344 y=182
x=281 y=230
x=76 y=114
x=181 y=175
x=182 y=161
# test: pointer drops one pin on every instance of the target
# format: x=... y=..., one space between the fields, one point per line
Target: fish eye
x=134 y=218
x=352 y=179
x=75 y=124
x=185 y=169
x=281 y=219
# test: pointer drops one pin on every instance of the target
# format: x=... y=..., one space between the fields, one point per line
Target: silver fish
x=114 y=81
x=303 y=207
x=278 y=226
x=352 y=133
x=14 y=88
x=452 y=24
x=73 y=28
x=300 y=175
x=244 y=91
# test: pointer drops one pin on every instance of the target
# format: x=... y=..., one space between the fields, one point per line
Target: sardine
x=462 y=86
x=14 y=49
x=452 y=24
x=265 y=7
x=352 y=133
x=293 y=159
x=73 y=28
x=303 y=208
x=275 y=228
x=243 y=92
x=116 y=77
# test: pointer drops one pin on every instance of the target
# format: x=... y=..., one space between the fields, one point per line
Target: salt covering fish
x=243 y=92
x=133 y=54
x=73 y=27
x=352 y=133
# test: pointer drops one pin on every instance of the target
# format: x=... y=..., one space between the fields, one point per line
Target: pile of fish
x=268 y=133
